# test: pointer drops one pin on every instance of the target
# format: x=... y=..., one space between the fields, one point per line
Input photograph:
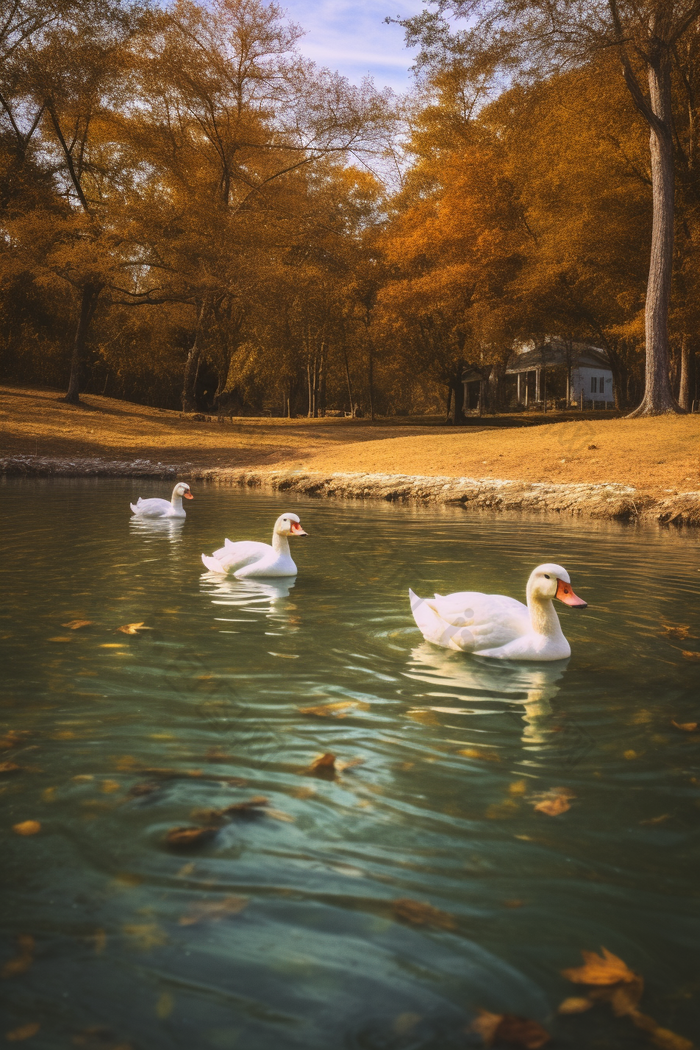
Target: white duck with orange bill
x=500 y=627
x=249 y=559
x=163 y=508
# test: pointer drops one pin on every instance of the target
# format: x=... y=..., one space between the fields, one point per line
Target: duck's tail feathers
x=427 y=620
x=134 y=508
x=212 y=564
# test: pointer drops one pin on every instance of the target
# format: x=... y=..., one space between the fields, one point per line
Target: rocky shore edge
x=602 y=501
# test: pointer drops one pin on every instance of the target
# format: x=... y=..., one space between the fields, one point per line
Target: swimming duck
x=248 y=558
x=163 y=508
x=498 y=626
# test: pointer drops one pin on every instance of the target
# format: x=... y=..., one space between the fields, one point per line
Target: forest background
x=193 y=215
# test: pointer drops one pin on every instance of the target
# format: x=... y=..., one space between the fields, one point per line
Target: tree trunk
x=448 y=416
x=371 y=381
x=658 y=396
x=347 y=376
x=457 y=388
x=684 y=395
x=88 y=303
x=322 y=382
x=189 y=402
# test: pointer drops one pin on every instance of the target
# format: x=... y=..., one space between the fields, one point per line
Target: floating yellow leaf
x=49 y=794
x=112 y=645
x=661 y=1037
x=554 y=802
x=108 y=787
x=322 y=766
x=575 y=1005
x=75 y=625
x=690 y=655
x=82 y=778
x=9 y=767
x=502 y=810
x=507 y=1028
x=518 y=787
x=146 y=935
x=687 y=727
x=189 y=837
x=478 y=752
x=133 y=628
x=600 y=969
x=630 y=755
x=27 y=827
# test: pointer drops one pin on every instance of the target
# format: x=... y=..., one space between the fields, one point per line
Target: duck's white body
x=497 y=626
x=248 y=559
x=163 y=508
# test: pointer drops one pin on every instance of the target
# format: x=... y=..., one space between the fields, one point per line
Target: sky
x=350 y=36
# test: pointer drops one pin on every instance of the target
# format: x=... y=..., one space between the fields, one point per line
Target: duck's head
x=182 y=489
x=552 y=581
x=289 y=525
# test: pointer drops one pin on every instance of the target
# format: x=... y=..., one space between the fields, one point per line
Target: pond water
x=283 y=930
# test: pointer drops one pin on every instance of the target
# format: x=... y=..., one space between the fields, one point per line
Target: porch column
x=519 y=395
x=527 y=390
x=538 y=384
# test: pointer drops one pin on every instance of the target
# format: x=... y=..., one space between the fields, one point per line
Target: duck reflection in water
x=475 y=680
x=155 y=528
x=266 y=596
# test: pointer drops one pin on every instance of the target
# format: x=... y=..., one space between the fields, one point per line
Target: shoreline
x=602 y=501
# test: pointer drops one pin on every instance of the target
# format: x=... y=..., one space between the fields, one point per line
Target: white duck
x=498 y=626
x=248 y=558
x=163 y=508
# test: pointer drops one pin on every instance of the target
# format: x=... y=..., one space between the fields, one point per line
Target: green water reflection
x=282 y=930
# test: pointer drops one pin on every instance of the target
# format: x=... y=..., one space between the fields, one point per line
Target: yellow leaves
x=502 y=810
x=612 y=981
x=554 y=802
x=518 y=787
x=686 y=727
x=108 y=787
x=27 y=827
x=75 y=625
x=25 y=1031
x=600 y=969
x=322 y=766
x=630 y=754
x=418 y=913
x=677 y=631
x=134 y=628
x=22 y=960
x=481 y=753
x=112 y=645
x=9 y=767
x=146 y=935
x=507 y=1028
x=213 y=911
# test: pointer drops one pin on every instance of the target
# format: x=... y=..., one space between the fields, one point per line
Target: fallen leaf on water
x=661 y=1037
x=49 y=794
x=213 y=911
x=322 y=766
x=502 y=810
x=186 y=870
x=24 y=958
x=554 y=802
x=13 y=739
x=133 y=628
x=625 y=997
x=690 y=656
x=508 y=1028
x=679 y=631
x=125 y=762
x=477 y=752
x=245 y=808
x=419 y=913
x=60 y=638
x=9 y=767
x=600 y=969
x=27 y=827
x=657 y=820
x=75 y=625
x=25 y=1031
x=108 y=787
x=338 y=710
x=518 y=787
x=304 y=792
x=687 y=727
x=575 y=1005
x=630 y=754
x=146 y=935
x=165 y=1006
x=82 y=778
x=147 y=788
x=112 y=645
x=188 y=837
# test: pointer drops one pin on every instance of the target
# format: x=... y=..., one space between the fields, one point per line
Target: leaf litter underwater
x=266 y=814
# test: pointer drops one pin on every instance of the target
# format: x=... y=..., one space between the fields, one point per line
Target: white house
x=554 y=371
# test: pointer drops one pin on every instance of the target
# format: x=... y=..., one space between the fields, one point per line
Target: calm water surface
x=282 y=931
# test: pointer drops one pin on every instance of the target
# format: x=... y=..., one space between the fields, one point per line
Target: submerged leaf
x=146 y=935
x=575 y=1005
x=419 y=913
x=478 y=752
x=23 y=960
x=678 y=631
x=246 y=808
x=600 y=969
x=507 y=1028
x=322 y=766
x=688 y=655
x=554 y=802
x=133 y=628
x=213 y=911
x=9 y=767
x=75 y=625
x=687 y=727
x=27 y=827
x=189 y=837
x=25 y=1031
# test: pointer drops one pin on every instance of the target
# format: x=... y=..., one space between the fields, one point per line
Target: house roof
x=555 y=352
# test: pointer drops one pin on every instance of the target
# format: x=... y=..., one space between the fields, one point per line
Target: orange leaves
x=554 y=802
x=75 y=625
x=612 y=981
x=506 y=1028
x=27 y=827
x=134 y=628
x=322 y=766
x=340 y=709
x=25 y=1031
x=481 y=753
x=184 y=838
x=686 y=727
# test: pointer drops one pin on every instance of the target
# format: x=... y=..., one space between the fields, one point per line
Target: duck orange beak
x=188 y=495
x=296 y=529
x=566 y=594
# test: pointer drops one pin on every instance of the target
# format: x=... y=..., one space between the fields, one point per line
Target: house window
x=593 y=384
x=601 y=384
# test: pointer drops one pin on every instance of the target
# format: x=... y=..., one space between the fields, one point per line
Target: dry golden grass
x=654 y=455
